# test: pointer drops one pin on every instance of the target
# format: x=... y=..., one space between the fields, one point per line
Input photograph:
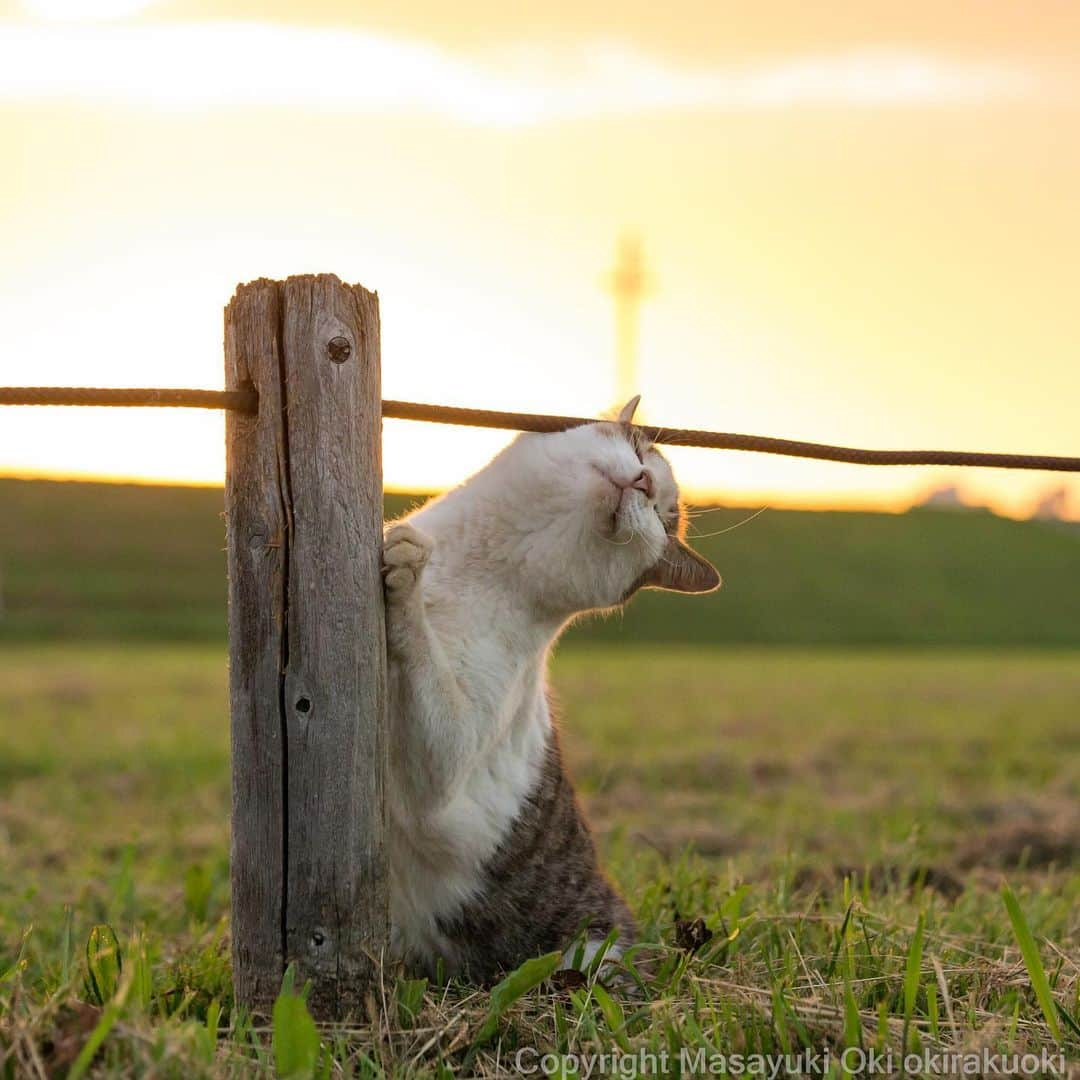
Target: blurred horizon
x=859 y=224
x=790 y=576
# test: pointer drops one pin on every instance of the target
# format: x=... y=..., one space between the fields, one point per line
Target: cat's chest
x=439 y=857
x=480 y=815
x=496 y=667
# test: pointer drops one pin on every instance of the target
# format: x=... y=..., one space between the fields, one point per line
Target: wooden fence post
x=307 y=650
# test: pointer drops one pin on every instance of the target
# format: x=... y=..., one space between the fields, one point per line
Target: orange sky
x=863 y=220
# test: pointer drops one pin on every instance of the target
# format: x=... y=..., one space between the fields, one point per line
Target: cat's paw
x=406 y=551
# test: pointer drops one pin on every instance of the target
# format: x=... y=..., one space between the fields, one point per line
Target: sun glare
x=84 y=10
x=867 y=239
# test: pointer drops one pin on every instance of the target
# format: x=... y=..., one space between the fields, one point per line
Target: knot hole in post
x=339 y=349
x=303 y=705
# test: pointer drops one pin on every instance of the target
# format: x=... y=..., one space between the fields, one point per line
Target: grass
x=116 y=562
x=815 y=843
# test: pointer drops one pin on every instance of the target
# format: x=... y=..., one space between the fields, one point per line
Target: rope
x=240 y=400
x=726 y=440
x=247 y=401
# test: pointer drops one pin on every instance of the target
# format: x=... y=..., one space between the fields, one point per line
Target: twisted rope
x=240 y=400
x=726 y=440
x=247 y=401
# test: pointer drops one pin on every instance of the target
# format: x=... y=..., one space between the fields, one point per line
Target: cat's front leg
x=406 y=551
x=434 y=743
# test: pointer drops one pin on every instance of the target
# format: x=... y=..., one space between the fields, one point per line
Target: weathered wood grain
x=307 y=652
x=257 y=529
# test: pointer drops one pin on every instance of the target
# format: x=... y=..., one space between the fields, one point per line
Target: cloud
x=194 y=64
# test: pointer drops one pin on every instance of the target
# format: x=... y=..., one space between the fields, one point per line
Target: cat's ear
x=681 y=569
x=626 y=414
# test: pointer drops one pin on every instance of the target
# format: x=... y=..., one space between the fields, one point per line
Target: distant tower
x=628 y=283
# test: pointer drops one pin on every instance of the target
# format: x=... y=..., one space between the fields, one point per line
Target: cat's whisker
x=616 y=543
x=730 y=528
x=702 y=510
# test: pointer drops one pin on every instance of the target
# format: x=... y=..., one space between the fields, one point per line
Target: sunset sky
x=862 y=221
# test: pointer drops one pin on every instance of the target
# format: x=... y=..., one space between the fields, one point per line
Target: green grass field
x=842 y=821
x=111 y=561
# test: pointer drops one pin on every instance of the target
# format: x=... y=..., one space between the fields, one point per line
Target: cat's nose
x=645 y=483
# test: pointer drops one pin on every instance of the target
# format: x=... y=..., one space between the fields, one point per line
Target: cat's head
x=604 y=509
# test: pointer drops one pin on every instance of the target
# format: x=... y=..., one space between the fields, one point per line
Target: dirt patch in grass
x=15 y=769
x=882 y=877
x=702 y=839
x=73 y=1026
x=1030 y=845
x=629 y=800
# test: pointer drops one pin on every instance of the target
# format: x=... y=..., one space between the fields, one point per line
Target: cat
x=491 y=859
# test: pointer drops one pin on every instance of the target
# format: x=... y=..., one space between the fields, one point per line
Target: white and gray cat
x=491 y=860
